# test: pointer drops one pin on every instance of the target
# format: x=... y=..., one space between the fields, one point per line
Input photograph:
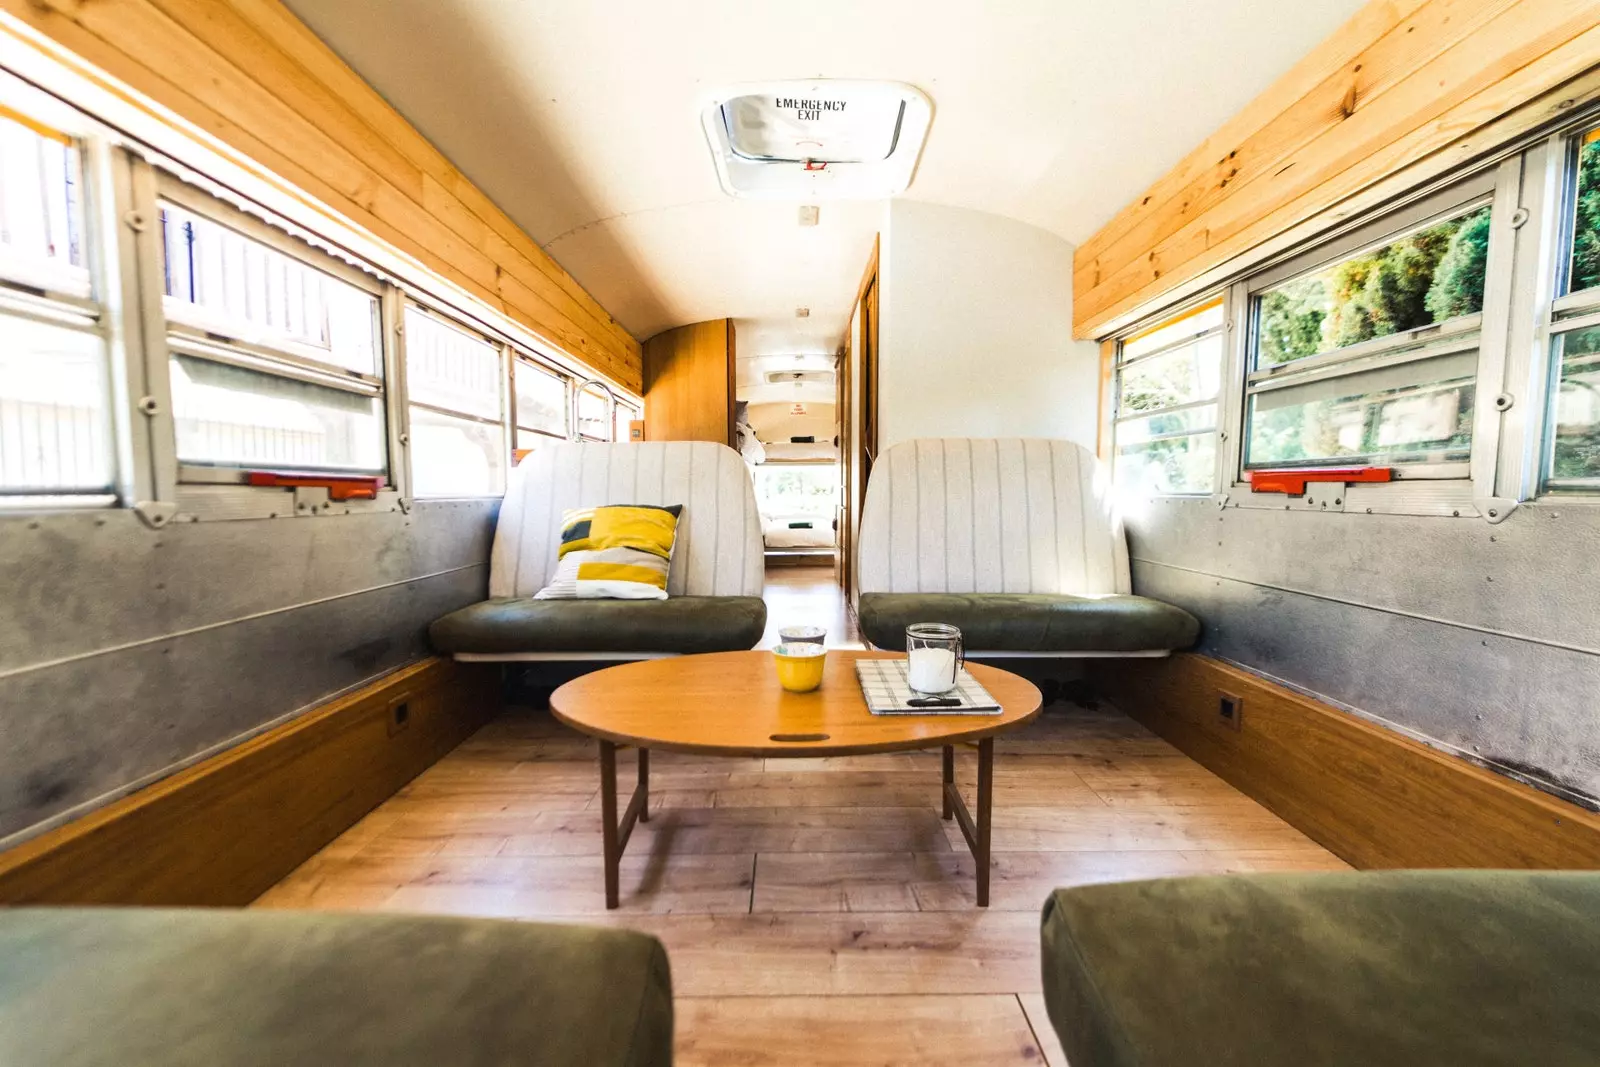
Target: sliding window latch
x=1319 y=488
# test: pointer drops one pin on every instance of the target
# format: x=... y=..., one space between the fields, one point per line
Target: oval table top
x=730 y=704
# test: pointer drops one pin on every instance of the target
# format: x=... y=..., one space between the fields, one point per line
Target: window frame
x=90 y=308
x=1449 y=489
x=1462 y=333
x=1119 y=363
x=1566 y=311
x=519 y=358
x=611 y=403
x=124 y=178
x=506 y=422
x=196 y=492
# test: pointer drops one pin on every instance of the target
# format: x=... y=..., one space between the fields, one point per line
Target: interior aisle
x=816 y=912
x=797 y=596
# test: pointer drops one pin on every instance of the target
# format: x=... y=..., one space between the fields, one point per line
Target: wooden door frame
x=860 y=358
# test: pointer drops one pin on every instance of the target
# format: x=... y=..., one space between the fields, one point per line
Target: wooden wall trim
x=1103 y=437
x=1397 y=89
x=225 y=830
x=1374 y=797
x=250 y=74
x=690 y=379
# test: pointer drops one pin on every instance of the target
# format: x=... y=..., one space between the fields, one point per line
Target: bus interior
x=571 y=535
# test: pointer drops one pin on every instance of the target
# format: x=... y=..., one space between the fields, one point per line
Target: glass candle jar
x=933 y=657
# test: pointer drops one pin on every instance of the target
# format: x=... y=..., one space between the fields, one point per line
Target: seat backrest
x=718 y=551
x=972 y=515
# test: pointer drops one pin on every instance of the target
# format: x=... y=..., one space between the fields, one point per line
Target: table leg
x=644 y=784
x=614 y=832
x=608 y=819
x=949 y=780
x=976 y=831
x=985 y=809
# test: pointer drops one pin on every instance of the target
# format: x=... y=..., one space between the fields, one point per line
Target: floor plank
x=1039 y=1019
x=807 y=954
x=942 y=1031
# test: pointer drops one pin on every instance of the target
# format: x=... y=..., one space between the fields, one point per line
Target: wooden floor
x=798 y=596
x=816 y=912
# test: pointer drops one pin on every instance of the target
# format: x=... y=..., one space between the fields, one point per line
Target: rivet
x=1455 y=514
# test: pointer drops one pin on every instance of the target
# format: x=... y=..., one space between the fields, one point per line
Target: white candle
x=932 y=670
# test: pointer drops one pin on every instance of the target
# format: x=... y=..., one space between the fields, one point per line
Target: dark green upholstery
x=1031 y=622
x=87 y=987
x=680 y=624
x=1380 y=969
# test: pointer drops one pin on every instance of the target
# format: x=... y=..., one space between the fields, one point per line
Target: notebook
x=883 y=686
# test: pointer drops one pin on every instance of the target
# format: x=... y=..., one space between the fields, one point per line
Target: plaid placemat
x=883 y=686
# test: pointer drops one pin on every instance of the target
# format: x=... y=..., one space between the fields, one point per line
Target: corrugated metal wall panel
x=127 y=652
x=1481 y=639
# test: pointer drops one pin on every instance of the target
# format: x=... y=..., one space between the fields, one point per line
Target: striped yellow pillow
x=615 y=553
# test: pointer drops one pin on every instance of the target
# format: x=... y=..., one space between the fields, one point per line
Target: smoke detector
x=814 y=140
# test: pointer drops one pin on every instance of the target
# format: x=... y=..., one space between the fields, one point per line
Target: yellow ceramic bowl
x=799 y=666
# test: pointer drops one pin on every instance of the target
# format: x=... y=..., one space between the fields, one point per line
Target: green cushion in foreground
x=685 y=624
x=1376 y=969
x=97 y=987
x=1032 y=622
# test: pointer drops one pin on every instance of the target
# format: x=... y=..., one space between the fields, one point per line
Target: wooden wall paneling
x=277 y=94
x=1425 y=32
x=225 y=830
x=1398 y=105
x=1339 y=51
x=689 y=379
x=1375 y=798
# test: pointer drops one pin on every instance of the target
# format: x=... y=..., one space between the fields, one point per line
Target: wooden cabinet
x=689 y=379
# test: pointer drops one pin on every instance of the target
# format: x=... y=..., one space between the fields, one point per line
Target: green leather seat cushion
x=680 y=624
x=1031 y=622
x=1377 y=969
x=100 y=987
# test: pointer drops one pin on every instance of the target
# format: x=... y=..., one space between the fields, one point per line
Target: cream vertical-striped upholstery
x=1009 y=515
x=718 y=551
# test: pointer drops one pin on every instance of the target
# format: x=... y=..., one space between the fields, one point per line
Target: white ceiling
x=581 y=120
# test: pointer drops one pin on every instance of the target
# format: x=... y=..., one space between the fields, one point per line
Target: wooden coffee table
x=730 y=704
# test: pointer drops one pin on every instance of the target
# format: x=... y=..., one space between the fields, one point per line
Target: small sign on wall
x=797 y=409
